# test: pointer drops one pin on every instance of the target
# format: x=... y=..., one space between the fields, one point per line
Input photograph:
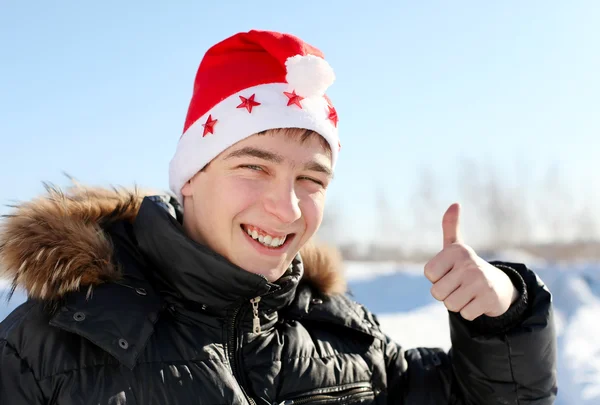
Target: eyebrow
x=318 y=167
x=257 y=153
x=275 y=158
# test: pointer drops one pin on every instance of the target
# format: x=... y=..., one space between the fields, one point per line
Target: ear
x=186 y=190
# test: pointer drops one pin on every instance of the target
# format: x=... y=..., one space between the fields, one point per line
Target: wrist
x=515 y=295
x=487 y=325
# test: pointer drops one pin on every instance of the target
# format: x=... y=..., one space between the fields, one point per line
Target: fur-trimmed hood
x=55 y=244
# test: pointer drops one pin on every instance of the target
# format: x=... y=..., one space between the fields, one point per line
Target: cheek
x=237 y=194
x=312 y=206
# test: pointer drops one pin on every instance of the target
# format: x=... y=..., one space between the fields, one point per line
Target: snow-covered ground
x=399 y=294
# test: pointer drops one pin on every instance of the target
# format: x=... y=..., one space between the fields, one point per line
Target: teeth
x=278 y=242
x=267 y=240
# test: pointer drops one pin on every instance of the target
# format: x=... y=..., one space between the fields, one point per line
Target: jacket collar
x=189 y=273
x=57 y=243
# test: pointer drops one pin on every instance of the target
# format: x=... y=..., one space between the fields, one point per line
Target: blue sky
x=100 y=90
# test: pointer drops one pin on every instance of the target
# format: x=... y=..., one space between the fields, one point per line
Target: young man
x=216 y=295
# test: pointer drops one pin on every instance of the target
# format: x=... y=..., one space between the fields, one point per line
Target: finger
x=438 y=267
x=450 y=225
x=447 y=284
x=460 y=298
x=473 y=310
x=443 y=262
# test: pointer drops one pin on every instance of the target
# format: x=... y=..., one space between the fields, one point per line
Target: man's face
x=259 y=201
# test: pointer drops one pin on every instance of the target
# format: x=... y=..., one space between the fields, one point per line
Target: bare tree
x=501 y=212
x=586 y=223
x=471 y=189
x=426 y=209
x=504 y=212
x=470 y=184
x=386 y=221
x=555 y=207
x=330 y=229
x=389 y=232
x=522 y=194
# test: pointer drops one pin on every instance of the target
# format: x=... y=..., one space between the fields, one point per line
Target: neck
x=188 y=220
x=189 y=270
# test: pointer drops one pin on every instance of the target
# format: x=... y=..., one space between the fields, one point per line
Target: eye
x=253 y=167
x=320 y=183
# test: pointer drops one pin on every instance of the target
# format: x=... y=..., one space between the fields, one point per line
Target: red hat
x=252 y=82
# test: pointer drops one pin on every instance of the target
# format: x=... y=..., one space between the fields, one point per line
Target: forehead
x=290 y=145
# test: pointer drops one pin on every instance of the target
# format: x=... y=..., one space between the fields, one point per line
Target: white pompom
x=309 y=75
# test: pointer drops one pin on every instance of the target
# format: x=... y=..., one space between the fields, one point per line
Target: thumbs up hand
x=463 y=281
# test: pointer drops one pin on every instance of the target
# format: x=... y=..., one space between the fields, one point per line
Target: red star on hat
x=209 y=126
x=333 y=117
x=293 y=98
x=248 y=103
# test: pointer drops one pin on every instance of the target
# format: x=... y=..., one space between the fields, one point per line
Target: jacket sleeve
x=505 y=360
x=18 y=386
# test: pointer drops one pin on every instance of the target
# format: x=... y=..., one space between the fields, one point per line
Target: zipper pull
x=255 y=318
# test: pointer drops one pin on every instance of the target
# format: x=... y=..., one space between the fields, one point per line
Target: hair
x=300 y=134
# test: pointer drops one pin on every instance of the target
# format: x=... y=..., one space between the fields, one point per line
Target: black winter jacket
x=124 y=309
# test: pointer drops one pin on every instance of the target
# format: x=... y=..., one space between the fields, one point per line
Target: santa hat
x=252 y=82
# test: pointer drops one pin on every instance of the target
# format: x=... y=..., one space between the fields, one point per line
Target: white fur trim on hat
x=233 y=124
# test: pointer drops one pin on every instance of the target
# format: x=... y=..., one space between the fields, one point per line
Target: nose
x=282 y=202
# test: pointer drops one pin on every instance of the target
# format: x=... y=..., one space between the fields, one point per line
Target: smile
x=264 y=238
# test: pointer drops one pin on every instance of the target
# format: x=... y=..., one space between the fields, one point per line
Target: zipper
x=232 y=349
x=255 y=318
x=232 y=342
x=352 y=393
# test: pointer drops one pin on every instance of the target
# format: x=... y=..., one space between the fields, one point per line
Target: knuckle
x=465 y=314
x=484 y=289
x=462 y=251
x=488 y=286
x=468 y=314
x=451 y=305
x=435 y=292
x=473 y=273
x=484 y=284
x=429 y=271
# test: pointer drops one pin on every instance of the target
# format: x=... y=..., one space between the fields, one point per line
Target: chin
x=271 y=273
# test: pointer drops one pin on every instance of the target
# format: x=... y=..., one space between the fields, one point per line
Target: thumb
x=450 y=225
